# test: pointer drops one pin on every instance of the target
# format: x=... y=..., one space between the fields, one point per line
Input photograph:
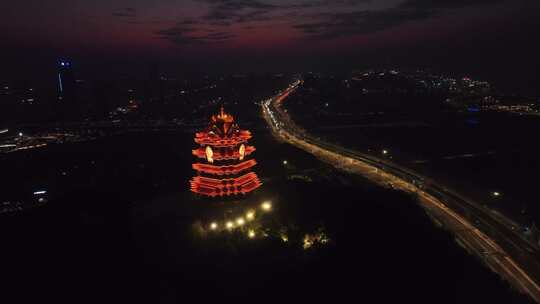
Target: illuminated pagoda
x=224 y=167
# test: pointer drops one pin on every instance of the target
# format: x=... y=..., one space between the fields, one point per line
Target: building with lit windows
x=223 y=163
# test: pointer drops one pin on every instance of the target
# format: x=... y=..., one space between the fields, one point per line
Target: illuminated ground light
x=266 y=206
x=251 y=234
x=308 y=242
x=240 y=221
x=312 y=239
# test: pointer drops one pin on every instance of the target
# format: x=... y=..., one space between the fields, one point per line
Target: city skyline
x=208 y=36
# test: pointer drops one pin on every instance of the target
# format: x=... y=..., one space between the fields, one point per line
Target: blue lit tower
x=66 y=90
x=66 y=81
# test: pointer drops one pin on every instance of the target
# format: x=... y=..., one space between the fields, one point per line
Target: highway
x=489 y=235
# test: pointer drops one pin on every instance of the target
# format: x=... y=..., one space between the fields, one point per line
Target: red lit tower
x=224 y=168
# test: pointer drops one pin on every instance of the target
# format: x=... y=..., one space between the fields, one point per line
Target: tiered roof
x=225 y=143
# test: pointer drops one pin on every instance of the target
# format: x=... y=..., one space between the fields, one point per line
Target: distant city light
x=251 y=234
x=229 y=225
x=384 y=152
x=250 y=215
x=20 y=134
x=40 y=192
x=4 y=131
x=266 y=206
x=213 y=226
x=285 y=162
x=495 y=193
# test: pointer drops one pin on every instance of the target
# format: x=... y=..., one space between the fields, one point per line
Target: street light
x=384 y=152
x=496 y=194
x=213 y=226
x=285 y=162
x=266 y=206
x=251 y=234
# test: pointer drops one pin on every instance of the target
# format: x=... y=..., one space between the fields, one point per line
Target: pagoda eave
x=224 y=170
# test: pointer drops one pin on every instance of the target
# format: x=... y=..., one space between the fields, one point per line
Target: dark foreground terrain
x=122 y=226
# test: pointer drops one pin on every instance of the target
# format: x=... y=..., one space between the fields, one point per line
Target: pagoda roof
x=224 y=170
x=223 y=155
x=220 y=187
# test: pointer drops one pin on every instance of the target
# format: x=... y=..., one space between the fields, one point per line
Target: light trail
x=477 y=240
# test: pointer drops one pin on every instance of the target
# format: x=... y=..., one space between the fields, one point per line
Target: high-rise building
x=226 y=167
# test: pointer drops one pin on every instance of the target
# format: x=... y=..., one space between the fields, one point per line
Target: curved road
x=481 y=231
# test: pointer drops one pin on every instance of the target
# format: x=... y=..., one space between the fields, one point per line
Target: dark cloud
x=221 y=13
x=227 y=12
x=235 y=5
x=324 y=19
x=248 y=19
x=335 y=25
x=436 y=4
x=188 y=22
x=249 y=10
x=125 y=12
x=184 y=33
x=341 y=24
x=217 y=36
x=325 y=3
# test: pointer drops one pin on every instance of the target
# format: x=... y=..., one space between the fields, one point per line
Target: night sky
x=491 y=39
